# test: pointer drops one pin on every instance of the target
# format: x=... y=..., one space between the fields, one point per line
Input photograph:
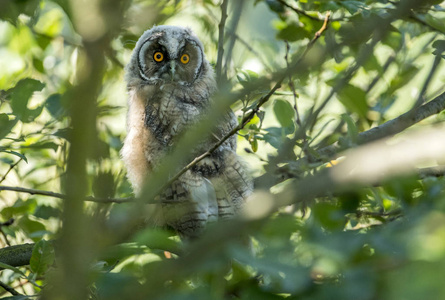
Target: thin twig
x=292 y=86
x=10 y=169
x=63 y=196
x=9 y=289
x=221 y=28
x=6 y=224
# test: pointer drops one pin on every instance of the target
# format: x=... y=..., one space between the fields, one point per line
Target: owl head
x=167 y=55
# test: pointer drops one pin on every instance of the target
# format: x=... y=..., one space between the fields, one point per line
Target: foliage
x=320 y=225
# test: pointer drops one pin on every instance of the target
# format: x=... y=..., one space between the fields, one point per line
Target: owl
x=170 y=85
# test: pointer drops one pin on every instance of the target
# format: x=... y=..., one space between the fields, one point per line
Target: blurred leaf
x=34 y=229
x=352 y=128
x=45 y=212
x=393 y=39
x=42 y=257
x=42 y=145
x=157 y=239
x=353 y=6
x=275 y=6
x=354 y=100
x=246 y=77
x=21 y=94
x=14 y=269
x=293 y=32
x=16 y=154
x=284 y=112
x=329 y=216
x=439 y=46
x=11 y=9
x=55 y=106
x=404 y=76
x=104 y=185
x=6 y=125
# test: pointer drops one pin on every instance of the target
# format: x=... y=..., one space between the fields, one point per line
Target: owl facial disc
x=169 y=55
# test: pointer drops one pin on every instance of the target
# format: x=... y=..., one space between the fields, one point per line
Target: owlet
x=170 y=85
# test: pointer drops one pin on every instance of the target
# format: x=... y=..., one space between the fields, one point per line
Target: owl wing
x=189 y=204
x=232 y=186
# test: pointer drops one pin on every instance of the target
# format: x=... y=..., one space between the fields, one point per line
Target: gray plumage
x=170 y=84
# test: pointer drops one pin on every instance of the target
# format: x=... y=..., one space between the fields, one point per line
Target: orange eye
x=185 y=58
x=158 y=56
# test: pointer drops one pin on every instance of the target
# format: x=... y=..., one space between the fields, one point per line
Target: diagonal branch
x=10 y=169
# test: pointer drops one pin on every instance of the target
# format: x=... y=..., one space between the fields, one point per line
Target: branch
x=10 y=169
x=63 y=196
x=9 y=289
x=221 y=26
x=16 y=256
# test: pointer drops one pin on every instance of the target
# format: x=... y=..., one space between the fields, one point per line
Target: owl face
x=168 y=55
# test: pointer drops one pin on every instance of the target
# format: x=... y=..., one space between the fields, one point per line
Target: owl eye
x=185 y=58
x=158 y=56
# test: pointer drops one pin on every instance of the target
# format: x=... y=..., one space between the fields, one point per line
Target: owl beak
x=172 y=69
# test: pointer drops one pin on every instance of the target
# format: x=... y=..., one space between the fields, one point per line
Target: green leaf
x=293 y=32
x=353 y=6
x=16 y=154
x=43 y=145
x=284 y=112
x=157 y=239
x=34 y=229
x=245 y=77
x=6 y=125
x=439 y=46
x=8 y=267
x=352 y=128
x=402 y=78
x=42 y=257
x=20 y=96
x=354 y=99
x=275 y=6
x=11 y=9
x=38 y=65
x=393 y=39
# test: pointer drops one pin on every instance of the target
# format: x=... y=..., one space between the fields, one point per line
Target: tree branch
x=63 y=196
x=221 y=27
x=16 y=256
x=9 y=289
